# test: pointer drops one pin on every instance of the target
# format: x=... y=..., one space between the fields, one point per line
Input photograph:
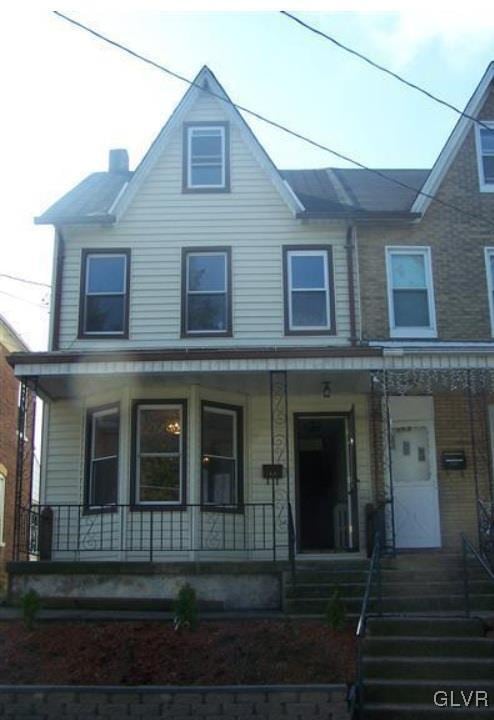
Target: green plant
x=31 y=605
x=336 y=611
x=186 y=609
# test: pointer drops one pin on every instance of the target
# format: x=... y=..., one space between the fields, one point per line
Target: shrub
x=186 y=609
x=336 y=612
x=31 y=605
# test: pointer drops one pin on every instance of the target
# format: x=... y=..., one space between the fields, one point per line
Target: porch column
x=19 y=469
x=280 y=453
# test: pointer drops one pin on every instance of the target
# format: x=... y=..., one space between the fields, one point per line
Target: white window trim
x=161 y=406
x=325 y=289
x=411 y=332
x=196 y=186
x=96 y=414
x=483 y=186
x=488 y=253
x=87 y=294
x=233 y=413
x=224 y=292
x=3 y=483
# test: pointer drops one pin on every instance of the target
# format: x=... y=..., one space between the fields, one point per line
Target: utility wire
x=273 y=123
x=386 y=70
x=24 y=280
x=30 y=302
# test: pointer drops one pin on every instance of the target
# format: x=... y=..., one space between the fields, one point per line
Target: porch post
x=19 y=468
x=280 y=453
x=473 y=444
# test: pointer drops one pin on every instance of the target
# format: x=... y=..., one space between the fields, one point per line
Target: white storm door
x=415 y=496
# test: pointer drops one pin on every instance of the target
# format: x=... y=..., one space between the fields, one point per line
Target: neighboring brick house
x=250 y=364
x=9 y=411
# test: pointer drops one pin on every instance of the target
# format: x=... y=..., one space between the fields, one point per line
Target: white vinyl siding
x=252 y=219
x=410 y=292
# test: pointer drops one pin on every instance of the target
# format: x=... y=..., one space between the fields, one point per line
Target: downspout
x=349 y=246
x=57 y=289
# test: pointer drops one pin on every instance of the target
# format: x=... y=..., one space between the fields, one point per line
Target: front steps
x=407 y=660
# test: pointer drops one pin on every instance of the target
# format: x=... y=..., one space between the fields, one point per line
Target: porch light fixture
x=173 y=428
x=326 y=389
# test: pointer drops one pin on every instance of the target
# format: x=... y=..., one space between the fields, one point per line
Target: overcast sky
x=67 y=99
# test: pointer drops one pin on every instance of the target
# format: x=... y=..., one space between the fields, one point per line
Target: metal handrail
x=291 y=544
x=486 y=530
x=374 y=572
x=467 y=547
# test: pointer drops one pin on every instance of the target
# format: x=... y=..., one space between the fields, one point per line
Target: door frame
x=429 y=424
x=343 y=415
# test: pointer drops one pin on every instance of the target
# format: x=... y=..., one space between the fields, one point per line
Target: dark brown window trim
x=57 y=294
x=185 y=157
x=332 y=312
x=184 y=333
x=90 y=412
x=134 y=505
x=124 y=335
x=239 y=505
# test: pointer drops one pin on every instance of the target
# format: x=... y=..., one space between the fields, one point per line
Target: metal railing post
x=273 y=512
x=151 y=514
x=466 y=585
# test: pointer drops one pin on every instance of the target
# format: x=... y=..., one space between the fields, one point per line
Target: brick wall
x=457 y=246
x=144 y=703
x=9 y=396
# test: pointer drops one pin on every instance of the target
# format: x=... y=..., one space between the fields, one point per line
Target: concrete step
x=386 y=711
x=333 y=577
x=426 y=627
x=426 y=668
x=402 y=604
x=422 y=691
x=392 y=589
x=474 y=647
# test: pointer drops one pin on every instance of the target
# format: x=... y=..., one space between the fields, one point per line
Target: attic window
x=206 y=157
x=485 y=156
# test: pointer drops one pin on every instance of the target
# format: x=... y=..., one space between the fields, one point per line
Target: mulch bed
x=140 y=653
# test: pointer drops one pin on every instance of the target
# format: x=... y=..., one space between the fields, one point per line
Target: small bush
x=186 y=609
x=31 y=605
x=336 y=611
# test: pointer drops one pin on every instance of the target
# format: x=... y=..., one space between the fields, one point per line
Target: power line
x=24 y=280
x=16 y=297
x=273 y=123
x=386 y=70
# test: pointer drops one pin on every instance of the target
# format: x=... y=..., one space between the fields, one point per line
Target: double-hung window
x=309 y=305
x=104 y=293
x=489 y=263
x=206 y=283
x=159 y=451
x=410 y=292
x=206 y=157
x=221 y=455
x=485 y=156
x=102 y=438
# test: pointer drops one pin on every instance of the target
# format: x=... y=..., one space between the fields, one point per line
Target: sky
x=68 y=99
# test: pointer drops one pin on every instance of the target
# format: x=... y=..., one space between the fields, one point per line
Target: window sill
x=228 y=509
x=158 y=507
x=103 y=336
x=413 y=334
x=99 y=509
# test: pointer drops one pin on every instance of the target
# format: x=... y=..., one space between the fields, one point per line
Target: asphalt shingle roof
x=323 y=192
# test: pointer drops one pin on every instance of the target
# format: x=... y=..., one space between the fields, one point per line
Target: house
x=248 y=364
x=13 y=491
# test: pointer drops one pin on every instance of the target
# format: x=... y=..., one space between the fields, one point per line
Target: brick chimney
x=118 y=161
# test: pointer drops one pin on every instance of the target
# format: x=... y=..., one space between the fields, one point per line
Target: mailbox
x=454 y=460
x=272 y=472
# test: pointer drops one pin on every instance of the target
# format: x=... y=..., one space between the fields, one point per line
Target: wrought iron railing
x=486 y=531
x=374 y=575
x=292 y=544
x=468 y=551
x=59 y=532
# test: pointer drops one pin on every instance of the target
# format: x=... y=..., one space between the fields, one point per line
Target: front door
x=415 y=496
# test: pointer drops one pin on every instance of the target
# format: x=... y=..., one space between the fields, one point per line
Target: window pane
x=411 y=308
x=408 y=271
x=309 y=309
x=218 y=433
x=106 y=274
x=159 y=479
x=104 y=482
x=104 y=313
x=307 y=271
x=218 y=481
x=487 y=140
x=207 y=272
x=206 y=175
x=488 y=165
x=206 y=143
x=105 y=435
x=160 y=430
x=207 y=312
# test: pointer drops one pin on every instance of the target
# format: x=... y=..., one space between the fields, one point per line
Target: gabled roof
x=9 y=338
x=455 y=141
